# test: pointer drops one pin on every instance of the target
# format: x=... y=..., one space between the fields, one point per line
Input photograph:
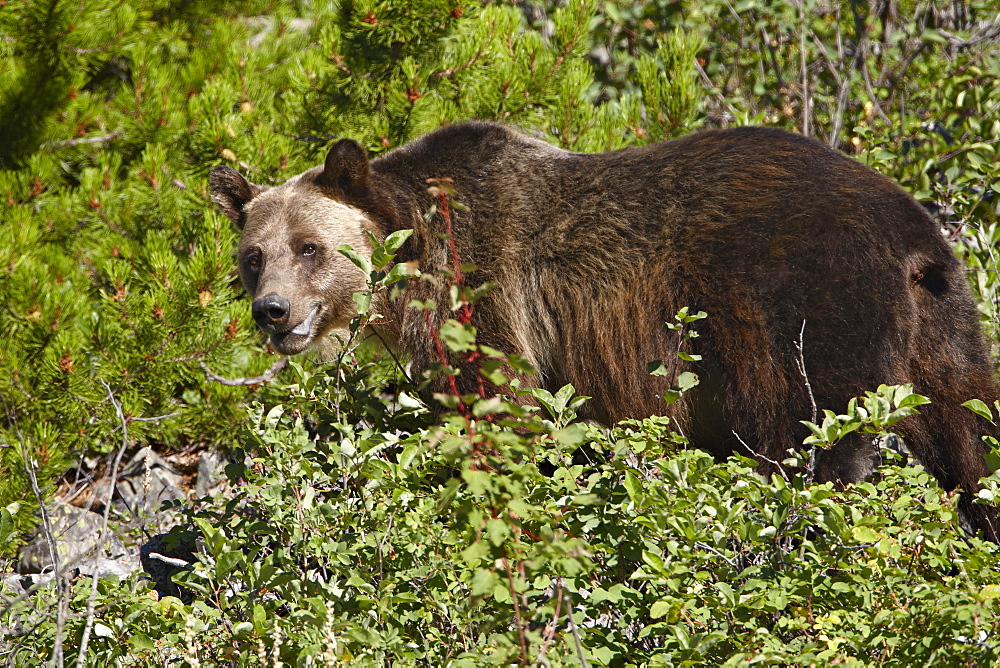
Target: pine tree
x=400 y=73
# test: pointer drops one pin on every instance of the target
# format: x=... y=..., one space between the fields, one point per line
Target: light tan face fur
x=289 y=249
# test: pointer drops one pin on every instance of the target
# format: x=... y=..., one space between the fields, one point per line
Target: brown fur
x=593 y=253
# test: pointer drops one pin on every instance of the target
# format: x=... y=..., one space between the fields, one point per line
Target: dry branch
x=265 y=377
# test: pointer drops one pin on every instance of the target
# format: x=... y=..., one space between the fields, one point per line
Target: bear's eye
x=253 y=261
x=308 y=250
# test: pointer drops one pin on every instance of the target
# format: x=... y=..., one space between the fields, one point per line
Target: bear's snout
x=271 y=312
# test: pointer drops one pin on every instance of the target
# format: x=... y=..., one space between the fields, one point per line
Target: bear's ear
x=231 y=192
x=346 y=167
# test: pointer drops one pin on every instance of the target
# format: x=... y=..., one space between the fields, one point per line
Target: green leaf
x=483 y=582
x=363 y=301
x=6 y=524
x=103 y=631
x=686 y=381
x=633 y=487
x=361 y=263
x=865 y=534
x=243 y=630
x=479 y=482
x=399 y=272
x=979 y=408
x=226 y=562
x=665 y=607
x=394 y=241
x=931 y=35
x=259 y=619
x=656 y=368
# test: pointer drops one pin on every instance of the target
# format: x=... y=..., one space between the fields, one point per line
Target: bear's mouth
x=297 y=339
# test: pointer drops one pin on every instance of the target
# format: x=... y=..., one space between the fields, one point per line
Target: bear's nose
x=271 y=312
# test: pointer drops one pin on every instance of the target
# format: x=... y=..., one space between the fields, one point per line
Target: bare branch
x=66 y=143
x=576 y=633
x=804 y=73
x=858 y=62
x=88 y=625
x=773 y=60
x=153 y=419
x=955 y=42
x=169 y=560
x=56 y=659
x=801 y=364
x=265 y=377
x=706 y=546
x=781 y=469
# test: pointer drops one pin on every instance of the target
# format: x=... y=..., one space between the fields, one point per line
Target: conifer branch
x=96 y=49
x=197 y=354
x=265 y=377
x=469 y=63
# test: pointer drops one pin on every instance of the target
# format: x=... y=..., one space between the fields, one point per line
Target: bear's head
x=301 y=286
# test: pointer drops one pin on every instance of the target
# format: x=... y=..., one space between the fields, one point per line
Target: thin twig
x=517 y=612
x=392 y=354
x=781 y=469
x=381 y=543
x=50 y=541
x=838 y=118
x=265 y=377
x=861 y=35
x=706 y=546
x=804 y=70
x=66 y=143
x=153 y=419
x=866 y=76
x=801 y=364
x=954 y=42
x=198 y=353
x=96 y=49
x=576 y=633
x=85 y=639
x=895 y=77
x=773 y=61
x=706 y=82
x=549 y=634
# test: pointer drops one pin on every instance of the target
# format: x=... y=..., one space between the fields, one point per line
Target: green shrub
x=360 y=542
x=362 y=530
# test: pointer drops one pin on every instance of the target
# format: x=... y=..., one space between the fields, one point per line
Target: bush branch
x=265 y=377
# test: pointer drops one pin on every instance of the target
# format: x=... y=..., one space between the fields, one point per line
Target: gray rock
x=22 y=584
x=147 y=481
x=210 y=472
x=103 y=567
x=76 y=535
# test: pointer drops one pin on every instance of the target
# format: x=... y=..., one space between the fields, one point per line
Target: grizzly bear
x=781 y=240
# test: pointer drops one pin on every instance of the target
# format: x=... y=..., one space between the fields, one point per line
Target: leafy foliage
x=357 y=536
